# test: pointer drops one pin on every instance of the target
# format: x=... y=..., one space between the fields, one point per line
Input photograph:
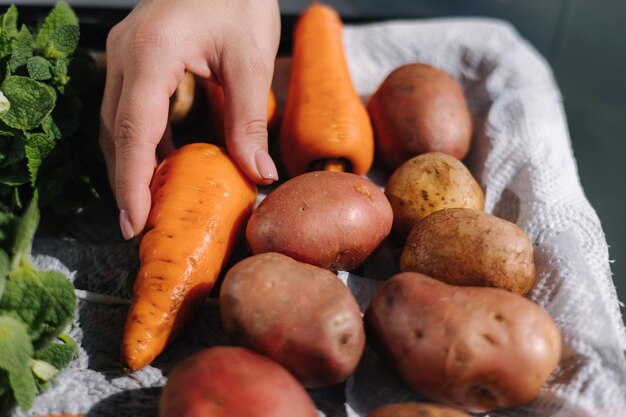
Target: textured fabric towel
x=522 y=157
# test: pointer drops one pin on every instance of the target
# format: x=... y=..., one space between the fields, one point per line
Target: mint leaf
x=59 y=74
x=64 y=305
x=22 y=49
x=58 y=353
x=61 y=15
x=31 y=101
x=39 y=68
x=5 y=45
x=62 y=42
x=24 y=387
x=16 y=349
x=50 y=128
x=26 y=299
x=38 y=147
x=16 y=352
x=9 y=22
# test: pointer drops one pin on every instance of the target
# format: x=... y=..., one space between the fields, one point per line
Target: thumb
x=246 y=90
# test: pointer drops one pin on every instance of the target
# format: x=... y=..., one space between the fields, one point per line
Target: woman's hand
x=233 y=42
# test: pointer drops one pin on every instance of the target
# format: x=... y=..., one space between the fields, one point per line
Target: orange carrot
x=200 y=203
x=325 y=125
x=215 y=97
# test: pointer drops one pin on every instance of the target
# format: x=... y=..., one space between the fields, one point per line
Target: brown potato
x=416 y=410
x=182 y=99
x=468 y=347
x=334 y=220
x=418 y=109
x=226 y=381
x=299 y=315
x=427 y=183
x=469 y=247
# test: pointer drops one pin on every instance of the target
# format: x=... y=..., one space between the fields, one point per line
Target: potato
x=469 y=247
x=468 y=347
x=427 y=183
x=416 y=410
x=299 y=315
x=228 y=381
x=418 y=109
x=182 y=99
x=334 y=220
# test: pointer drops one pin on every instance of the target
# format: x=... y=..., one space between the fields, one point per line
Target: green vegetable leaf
x=59 y=74
x=24 y=387
x=38 y=147
x=31 y=101
x=62 y=42
x=26 y=299
x=43 y=370
x=9 y=21
x=64 y=306
x=39 y=68
x=13 y=148
x=16 y=350
x=24 y=234
x=22 y=49
x=60 y=16
x=59 y=353
x=5 y=45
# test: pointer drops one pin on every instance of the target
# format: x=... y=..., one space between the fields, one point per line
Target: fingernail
x=265 y=166
x=126 y=226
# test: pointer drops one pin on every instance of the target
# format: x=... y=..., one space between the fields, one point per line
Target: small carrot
x=200 y=203
x=325 y=124
x=215 y=98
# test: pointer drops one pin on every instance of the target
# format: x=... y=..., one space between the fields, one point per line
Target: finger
x=112 y=91
x=139 y=125
x=246 y=89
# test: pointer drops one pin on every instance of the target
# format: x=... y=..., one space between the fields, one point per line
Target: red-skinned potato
x=299 y=315
x=228 y=381
x=468 y=347
x=416 y=410
x=419 y=108
x=468 y=247
x=333 y=220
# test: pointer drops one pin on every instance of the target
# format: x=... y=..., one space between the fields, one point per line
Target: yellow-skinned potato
x=473 y=348
x=416 y=410
x=427 y=183
x=469 y=247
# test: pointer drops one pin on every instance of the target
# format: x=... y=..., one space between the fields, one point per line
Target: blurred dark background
x=582 y=40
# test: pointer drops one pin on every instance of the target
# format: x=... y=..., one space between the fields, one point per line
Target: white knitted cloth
x=521 y=156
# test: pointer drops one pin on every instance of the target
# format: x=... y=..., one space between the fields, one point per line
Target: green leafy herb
x=61 y=16
x=35 y=307
x=30 y=102
x=39 y=68
x=49 y=105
